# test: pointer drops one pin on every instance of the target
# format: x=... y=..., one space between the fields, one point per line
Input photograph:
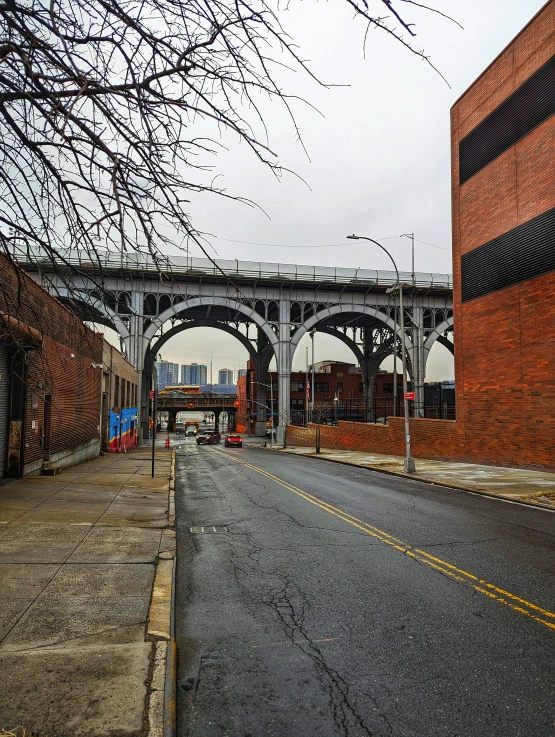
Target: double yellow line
x=480 y=585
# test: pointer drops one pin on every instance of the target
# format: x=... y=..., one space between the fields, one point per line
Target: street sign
x=152 y=394
x=409 y=395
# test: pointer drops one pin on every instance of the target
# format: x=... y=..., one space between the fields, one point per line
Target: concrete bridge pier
x=172 y=420
x=217 y=413
x=262 y=361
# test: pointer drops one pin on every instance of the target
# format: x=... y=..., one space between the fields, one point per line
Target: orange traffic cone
x=167 y=442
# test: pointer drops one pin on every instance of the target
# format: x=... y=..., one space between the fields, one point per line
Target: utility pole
x=313 y=392
x=306 y=385
x=409 y=460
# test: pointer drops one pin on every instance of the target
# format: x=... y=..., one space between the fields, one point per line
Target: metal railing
x=378 y=410
x=190 y=266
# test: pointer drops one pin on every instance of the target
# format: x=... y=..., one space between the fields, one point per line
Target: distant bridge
x=194 y=402
x=216 y=403
x=267 y=307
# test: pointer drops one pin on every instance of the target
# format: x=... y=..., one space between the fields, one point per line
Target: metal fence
x=377 y=410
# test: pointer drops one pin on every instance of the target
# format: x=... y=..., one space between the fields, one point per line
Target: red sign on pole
x=152 y=394
x=409 y=395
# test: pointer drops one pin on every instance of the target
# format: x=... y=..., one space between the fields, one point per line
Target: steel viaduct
x=268 y=307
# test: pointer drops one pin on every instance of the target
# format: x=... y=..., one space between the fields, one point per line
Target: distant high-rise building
x=168 y=374
x=225 y=376
x=194 y=373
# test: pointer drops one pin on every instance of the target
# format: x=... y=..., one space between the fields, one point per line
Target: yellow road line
x=517 y=603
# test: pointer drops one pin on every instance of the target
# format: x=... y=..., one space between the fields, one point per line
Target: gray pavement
x=329 y=600
x=516 y=484
x=77 y=562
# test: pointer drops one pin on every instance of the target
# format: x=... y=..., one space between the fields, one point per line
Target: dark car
x=234 y=441
x=208 y=437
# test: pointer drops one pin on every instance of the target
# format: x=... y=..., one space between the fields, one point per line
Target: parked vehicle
x=234 y=441
x=209 y=437
x=179 y=427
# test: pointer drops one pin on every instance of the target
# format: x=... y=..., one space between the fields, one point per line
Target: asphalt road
x=339 y=602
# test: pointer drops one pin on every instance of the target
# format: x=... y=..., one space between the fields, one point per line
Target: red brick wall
x=505 y=341
x=430 y=438
x=51 y=371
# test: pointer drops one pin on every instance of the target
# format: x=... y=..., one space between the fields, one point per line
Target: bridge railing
x=188 y=265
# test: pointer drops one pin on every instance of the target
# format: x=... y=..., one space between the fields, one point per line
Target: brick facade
x=59 y=372
x=505 y=348
x=435 y=439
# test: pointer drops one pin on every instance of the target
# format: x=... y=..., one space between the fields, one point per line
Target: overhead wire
x=321 y=245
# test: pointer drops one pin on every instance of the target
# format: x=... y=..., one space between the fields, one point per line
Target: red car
x=234 y=441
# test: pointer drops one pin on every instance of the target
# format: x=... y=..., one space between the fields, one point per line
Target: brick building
x=331 y=379
x=119 y=412
x=49 y=379
x=503 y=202
x=503 y=181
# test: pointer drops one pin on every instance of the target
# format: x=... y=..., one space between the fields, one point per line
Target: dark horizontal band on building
x=529 y=106
x=522 y=253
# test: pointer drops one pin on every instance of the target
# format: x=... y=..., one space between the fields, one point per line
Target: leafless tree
x=110 y=111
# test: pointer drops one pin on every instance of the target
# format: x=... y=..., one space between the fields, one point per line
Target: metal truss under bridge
x=268 y=307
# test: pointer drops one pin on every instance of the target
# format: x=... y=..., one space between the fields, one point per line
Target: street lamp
x=336 y=405
x=409 y=460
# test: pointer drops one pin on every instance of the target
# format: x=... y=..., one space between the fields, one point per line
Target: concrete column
x=284 y=359
x=368 y=373
x=172 y=420
x=261 y=365
x=217 y=413
x=418 y=360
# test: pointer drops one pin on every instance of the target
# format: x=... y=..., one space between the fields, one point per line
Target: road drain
x=210 y=528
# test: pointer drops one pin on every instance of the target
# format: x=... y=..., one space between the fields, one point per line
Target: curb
x=410 y=477
x=161 y=710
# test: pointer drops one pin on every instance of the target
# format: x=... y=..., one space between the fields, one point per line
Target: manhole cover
x=208 y=528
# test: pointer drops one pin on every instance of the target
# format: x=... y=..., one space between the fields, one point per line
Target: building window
x=321 y=386
x=297 y=386
x=339 y=386
x=361 y=387
x=388 y=388
x=116 y=391
x=297 y=404
x=122 y=403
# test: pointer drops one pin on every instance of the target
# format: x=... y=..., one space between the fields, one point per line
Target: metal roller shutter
x=4 y=407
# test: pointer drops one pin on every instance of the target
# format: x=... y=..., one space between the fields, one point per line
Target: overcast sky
x=379 y=155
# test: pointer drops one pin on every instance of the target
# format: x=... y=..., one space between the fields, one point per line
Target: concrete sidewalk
x=532 y=487
x=78 y=555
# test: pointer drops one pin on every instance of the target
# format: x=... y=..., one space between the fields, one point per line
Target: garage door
x=4 y=395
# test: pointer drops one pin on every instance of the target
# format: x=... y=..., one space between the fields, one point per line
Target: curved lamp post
x=409 y=460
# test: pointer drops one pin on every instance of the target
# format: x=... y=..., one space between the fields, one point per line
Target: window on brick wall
x=297 y=386
x=322 y=386
x=361 y=387
x=388 y=388
x=122 y=401
x=297 y=404
x=339 y=386
x=116 y=391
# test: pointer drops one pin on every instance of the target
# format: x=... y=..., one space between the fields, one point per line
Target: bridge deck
x=186 y=266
